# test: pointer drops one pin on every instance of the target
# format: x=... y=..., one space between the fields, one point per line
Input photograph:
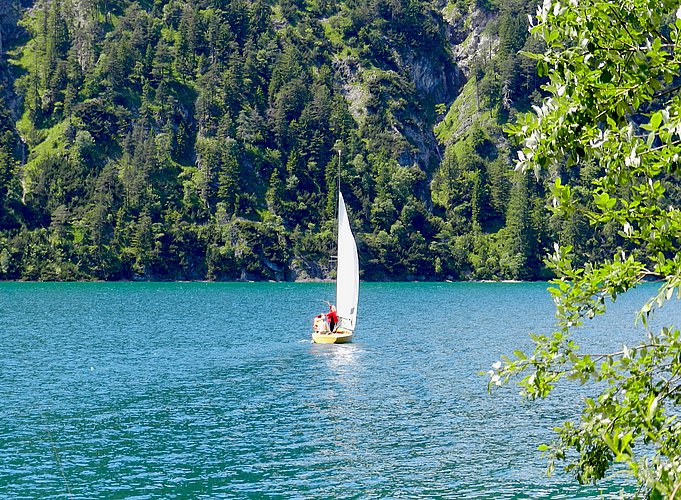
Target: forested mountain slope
x=198 y=140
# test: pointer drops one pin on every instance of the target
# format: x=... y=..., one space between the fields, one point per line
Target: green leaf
x=652 y=408
x=520 y=355
x=656 y=120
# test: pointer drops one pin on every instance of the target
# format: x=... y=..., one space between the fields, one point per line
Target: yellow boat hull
x=337 y=337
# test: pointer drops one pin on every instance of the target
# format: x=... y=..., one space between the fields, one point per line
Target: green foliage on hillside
x=197 y=140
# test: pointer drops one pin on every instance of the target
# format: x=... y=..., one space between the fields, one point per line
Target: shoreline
x=306 y=280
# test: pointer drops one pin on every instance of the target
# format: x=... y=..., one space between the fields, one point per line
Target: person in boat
x=319 y=323
x=332 y=317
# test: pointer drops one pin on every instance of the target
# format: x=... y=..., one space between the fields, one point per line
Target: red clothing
x=332 y=317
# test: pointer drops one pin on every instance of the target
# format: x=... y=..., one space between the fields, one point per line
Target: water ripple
x=185 y=390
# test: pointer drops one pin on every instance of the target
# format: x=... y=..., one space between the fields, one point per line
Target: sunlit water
x=189 y=390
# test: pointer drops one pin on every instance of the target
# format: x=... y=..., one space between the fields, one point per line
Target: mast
x=339 y=163
x=336 y=212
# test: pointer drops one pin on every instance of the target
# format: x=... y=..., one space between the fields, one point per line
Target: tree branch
x=666 y=91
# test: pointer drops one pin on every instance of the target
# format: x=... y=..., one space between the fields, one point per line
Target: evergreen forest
x=199 y=140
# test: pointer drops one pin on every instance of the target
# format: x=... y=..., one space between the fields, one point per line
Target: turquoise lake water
x=204 y=390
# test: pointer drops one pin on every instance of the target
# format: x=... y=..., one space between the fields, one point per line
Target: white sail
x=347 y=276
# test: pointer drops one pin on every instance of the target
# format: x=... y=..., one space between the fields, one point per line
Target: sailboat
x=347 y=285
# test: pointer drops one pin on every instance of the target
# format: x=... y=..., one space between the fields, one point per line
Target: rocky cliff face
x=436 y=82
x=469 y=36
x=474 y=43
x=425 y=79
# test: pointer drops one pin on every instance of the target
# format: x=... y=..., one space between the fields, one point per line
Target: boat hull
x=339 y=337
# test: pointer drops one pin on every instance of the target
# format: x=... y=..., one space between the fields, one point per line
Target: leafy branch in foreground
x=612 y=102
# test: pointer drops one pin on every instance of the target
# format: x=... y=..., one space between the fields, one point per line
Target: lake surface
x=202 y=390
